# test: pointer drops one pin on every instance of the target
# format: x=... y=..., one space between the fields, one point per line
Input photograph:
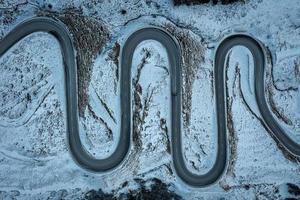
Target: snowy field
x=35 y=162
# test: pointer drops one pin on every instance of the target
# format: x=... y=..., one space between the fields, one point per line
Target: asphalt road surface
x=85 y=160
x=257 y=52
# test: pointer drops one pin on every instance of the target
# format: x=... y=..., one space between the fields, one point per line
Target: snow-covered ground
x=34 y=158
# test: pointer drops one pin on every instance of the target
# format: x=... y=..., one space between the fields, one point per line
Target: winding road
x=85 y=160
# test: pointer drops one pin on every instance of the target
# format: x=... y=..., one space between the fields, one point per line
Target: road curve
x=85 y=160
x=174 y=56
x=259 y=74
x=80 y=155
x=58 y=30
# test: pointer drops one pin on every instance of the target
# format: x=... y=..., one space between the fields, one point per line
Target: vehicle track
x=85 y=160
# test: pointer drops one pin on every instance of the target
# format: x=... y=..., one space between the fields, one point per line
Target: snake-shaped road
x=85 y=160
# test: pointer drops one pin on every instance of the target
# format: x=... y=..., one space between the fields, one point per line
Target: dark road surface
x=85 y=160
x=259 y=84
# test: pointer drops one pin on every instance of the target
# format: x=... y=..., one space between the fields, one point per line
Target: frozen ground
x=34 y=159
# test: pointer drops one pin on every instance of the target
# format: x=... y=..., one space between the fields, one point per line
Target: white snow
x=34 y=155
